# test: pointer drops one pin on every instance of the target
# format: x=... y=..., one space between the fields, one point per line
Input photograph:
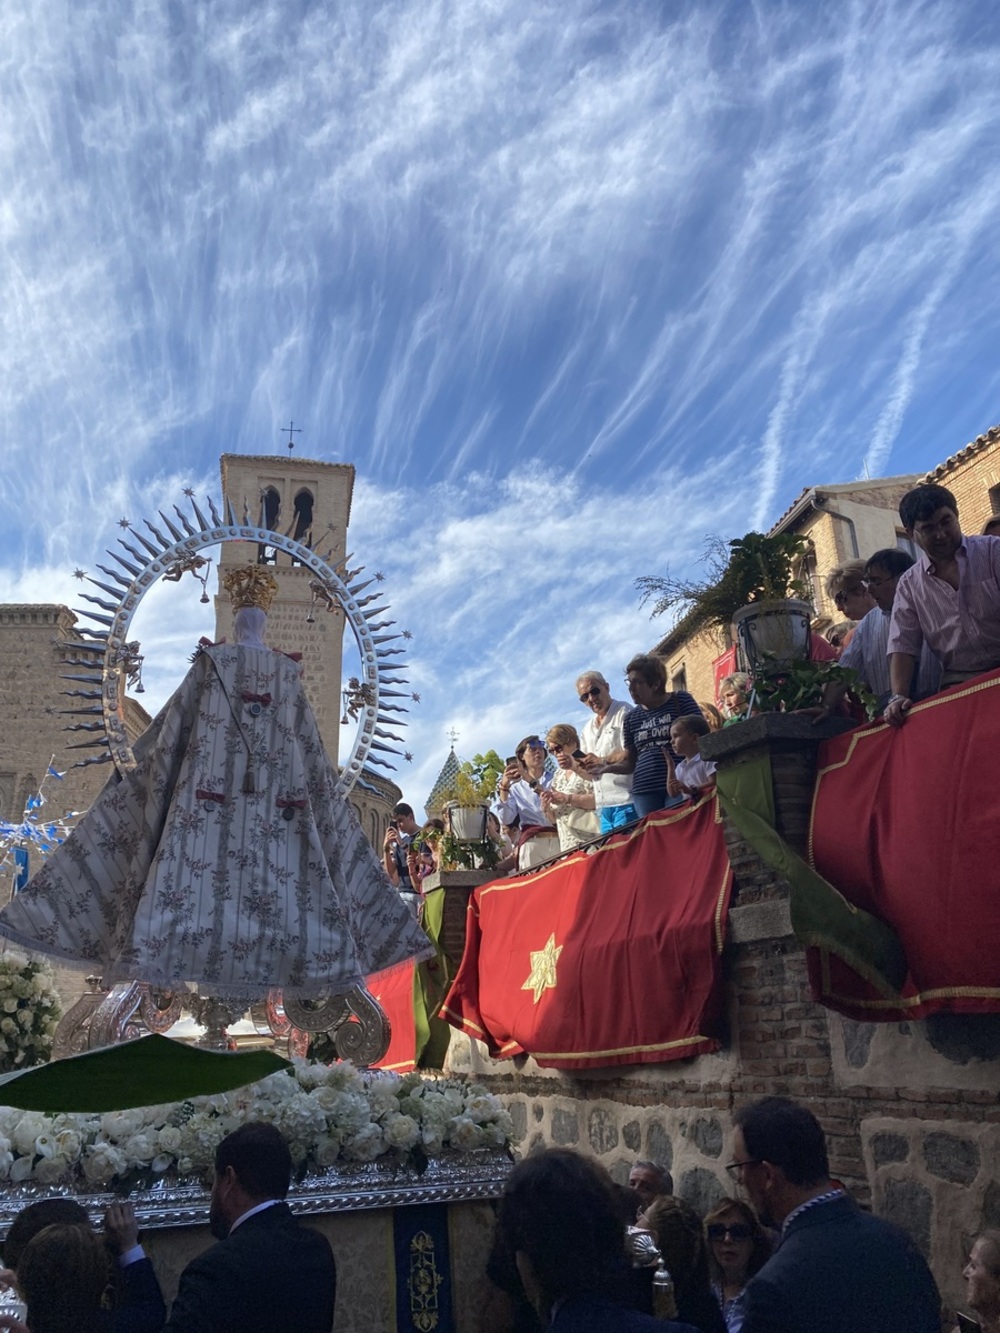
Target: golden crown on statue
x=251 y=585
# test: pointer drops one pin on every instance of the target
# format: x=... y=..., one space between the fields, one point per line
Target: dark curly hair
x=680 y=1238
x=63 y=1275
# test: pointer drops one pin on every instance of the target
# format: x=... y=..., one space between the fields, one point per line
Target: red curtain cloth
x=907 y=824
x=394 y=992
x=606 y=958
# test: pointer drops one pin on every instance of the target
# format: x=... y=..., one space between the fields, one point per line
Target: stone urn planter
x=771 y=636
x=468 y=822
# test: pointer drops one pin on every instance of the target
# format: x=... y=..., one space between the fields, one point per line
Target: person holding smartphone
x=520 y=791
x=396 y=856
x=569 y=798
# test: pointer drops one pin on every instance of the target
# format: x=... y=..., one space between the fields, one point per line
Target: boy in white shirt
x=693 y=773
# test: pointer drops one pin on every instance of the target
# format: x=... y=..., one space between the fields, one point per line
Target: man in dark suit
x=836 y=1268
x=560 y=1230
x=268 y=1274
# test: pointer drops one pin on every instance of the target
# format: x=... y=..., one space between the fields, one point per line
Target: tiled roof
x=448 y=774
x=963 y=455
x=847 y=488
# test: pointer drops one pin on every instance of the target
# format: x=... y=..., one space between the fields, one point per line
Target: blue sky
x=571 y=284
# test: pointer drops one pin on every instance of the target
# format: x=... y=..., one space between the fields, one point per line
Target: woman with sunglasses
x=738 y=1248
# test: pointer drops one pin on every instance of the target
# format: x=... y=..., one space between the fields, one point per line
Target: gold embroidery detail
x=424 y=1282
x=543 y=968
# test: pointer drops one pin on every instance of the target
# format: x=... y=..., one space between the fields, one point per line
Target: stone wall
x=910 y=1110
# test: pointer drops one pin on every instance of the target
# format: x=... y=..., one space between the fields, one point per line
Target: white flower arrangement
x=29 y=1011
x=328 y=1114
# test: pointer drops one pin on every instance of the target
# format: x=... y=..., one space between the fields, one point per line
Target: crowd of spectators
x=797 y=1254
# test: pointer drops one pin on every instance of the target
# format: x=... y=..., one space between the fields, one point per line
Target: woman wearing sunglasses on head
x=738 y=1247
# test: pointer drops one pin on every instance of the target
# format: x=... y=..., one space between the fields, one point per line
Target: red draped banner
x=906 y=824
x=609 y=957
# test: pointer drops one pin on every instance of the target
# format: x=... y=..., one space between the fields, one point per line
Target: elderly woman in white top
x=569 y=798
x=520 y=790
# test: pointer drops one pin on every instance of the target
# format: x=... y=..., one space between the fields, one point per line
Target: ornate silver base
x=356 y=1023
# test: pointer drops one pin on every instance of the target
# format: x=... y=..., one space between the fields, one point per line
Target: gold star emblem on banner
x=543 y=968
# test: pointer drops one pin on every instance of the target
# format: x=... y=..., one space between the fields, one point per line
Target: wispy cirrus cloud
x=535 y=270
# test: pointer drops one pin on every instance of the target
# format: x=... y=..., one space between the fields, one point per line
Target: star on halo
x=543 y=968
x=79 y=573
x=189 y=492
x=380 y=577
x=407 y=634
x=123 y=522
x=415 y=698
x=407 y=756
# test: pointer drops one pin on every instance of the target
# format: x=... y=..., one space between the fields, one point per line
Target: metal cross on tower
x=292 y=430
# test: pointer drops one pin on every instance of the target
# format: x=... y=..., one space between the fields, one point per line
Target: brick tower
x=311 y=502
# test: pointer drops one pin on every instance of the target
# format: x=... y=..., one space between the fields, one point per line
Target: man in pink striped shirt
x=950 y=598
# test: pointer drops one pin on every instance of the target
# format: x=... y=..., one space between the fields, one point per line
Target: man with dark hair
x=137 y=1301
x=646 y=747
x=950 y=599
x=268 y=1274
x=648 y=1179
x=866 y=653
x=399 y=836
x=837 y=1269
x=560 y=1226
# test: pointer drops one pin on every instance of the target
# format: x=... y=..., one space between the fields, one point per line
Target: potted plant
x=466 y=802
x=754 y=586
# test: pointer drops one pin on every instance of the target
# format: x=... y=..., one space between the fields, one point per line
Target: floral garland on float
x=331 y=1116
x=30 y=1010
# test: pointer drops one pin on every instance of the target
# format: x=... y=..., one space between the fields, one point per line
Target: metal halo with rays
x=100 y=654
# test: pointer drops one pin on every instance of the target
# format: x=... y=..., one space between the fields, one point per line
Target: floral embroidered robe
x=176 y=873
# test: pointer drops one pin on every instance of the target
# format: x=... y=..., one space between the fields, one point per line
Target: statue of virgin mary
x=230 y=855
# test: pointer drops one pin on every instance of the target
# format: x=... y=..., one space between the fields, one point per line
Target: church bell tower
x=310 y=502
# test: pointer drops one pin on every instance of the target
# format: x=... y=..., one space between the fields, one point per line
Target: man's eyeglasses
x=593 y=693
x=877 y=583
x=738 y=1231
x=735 y=1169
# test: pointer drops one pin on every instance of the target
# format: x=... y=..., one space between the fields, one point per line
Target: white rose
x=402 y=1132
x=25 y=1017
x=465 y=1134
x=20 y=1169
x=102 y=1161
x=6 y=1162
x=168 y=1138
x=367 y=1144
x=120 y=1124
x=68 y=1144
x=140 y=1148
x=327 y=1151
x=8 y=1025
x=51 y=1169
x=10 y=1005
x=185 y=1166
x=482 y=1108
x=162 y=1162
x=27 y=1129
